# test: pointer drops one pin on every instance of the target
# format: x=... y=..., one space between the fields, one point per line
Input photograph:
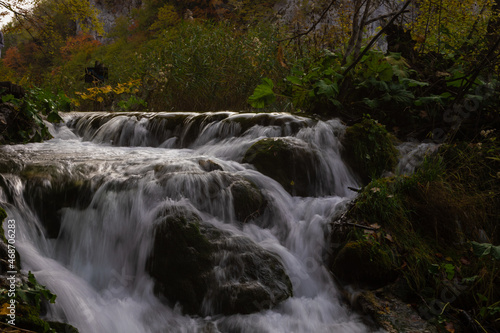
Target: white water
x=96 y=264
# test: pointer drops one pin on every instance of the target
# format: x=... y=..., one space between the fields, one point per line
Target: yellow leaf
x=3 y=310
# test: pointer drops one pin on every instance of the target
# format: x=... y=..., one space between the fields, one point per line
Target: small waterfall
x=90 y=204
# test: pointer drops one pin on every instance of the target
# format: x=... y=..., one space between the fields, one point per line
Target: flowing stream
x=92 y=249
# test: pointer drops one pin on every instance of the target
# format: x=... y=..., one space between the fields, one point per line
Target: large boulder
x=290 y=162
x=209 y=271
x=248 y=200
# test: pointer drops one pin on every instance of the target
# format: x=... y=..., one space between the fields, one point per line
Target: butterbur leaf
x=481 y=249
x=326 y=88
x=263 y=95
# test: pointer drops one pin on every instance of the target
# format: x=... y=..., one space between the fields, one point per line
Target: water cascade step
x=169 y=222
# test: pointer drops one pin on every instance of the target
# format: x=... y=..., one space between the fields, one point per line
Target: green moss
x=181 y=258
x=369 y=149
x=290 y=163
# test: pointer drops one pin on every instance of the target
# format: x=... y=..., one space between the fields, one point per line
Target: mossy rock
x=252 y=278
x=364 y=264
x=369 y=149
x=290 y=162
x=188 y=256
x=180 y=260
x=48 y=190
x=248 y=200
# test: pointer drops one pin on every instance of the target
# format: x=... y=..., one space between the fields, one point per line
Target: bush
x=369 y=148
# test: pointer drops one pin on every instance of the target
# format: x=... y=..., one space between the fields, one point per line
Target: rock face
x=109 y=11
x=288 y=161
x=208 y=271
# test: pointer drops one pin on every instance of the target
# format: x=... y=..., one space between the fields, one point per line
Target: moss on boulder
x=188 y=258
x=248 y=200
x=369 y=149
x=49 y=189
x=290 y=162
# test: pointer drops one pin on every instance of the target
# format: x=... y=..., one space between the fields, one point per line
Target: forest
x=393 y=72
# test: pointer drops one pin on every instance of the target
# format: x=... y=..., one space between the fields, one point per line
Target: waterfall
x=92 y=204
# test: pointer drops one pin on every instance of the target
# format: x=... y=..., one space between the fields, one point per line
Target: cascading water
x=90 y=207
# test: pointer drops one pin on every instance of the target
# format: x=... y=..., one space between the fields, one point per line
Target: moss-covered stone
x=369 y=149
x=49 y=189
x=188 y=258
x=248 y=200
x=290 y=162
x=181 y=258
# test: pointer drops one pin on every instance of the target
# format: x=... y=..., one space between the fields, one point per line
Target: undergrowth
x=441 y=227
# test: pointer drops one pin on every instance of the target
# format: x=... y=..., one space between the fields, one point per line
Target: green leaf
x=450 y=271
x=371 y=103
x=7 y=98
x=413 y=83
x=386 y=74
x=481 y=249
x=294 y=80
x=263 y=95
x=326 y=88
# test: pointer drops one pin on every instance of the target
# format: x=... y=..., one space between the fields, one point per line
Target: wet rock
x=248 y=200
x=208 y=271
x=209 y=165
x=48 y=190
x=290 y=162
